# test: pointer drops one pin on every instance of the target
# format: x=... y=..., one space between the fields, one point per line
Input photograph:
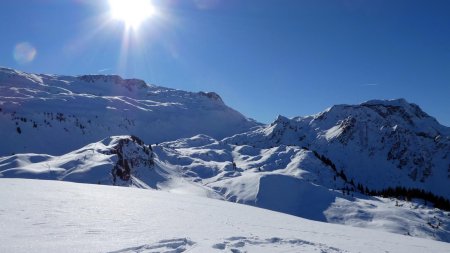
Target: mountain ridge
x=80 y=110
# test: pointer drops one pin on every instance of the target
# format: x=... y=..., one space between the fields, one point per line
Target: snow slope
x=48 y=216
x=295 y=181
x=118 y=160
x=57 y=114
x=286 y=179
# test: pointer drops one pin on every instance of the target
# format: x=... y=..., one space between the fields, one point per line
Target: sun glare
x=131 y=12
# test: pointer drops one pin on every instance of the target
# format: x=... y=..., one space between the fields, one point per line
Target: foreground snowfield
x=51 y=216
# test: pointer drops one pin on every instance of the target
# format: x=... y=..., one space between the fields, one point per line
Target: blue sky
x=264 y=57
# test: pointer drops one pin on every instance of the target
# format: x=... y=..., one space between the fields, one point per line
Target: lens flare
x=24 y=53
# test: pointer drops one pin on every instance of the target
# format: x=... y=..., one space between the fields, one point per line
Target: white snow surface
x=57 y=114
x=50 y=216
x=286 y=179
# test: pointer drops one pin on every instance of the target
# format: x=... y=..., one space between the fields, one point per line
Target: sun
x=132 y=12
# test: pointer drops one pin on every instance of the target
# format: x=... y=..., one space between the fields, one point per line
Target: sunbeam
x=133 y=13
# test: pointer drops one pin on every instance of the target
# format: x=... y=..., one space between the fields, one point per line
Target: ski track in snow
x=240 y=244
x=234 y=244
x=164 y=246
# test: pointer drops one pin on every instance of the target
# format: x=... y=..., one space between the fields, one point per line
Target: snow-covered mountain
x=57 y=114
x=44 y=216
x=377 y=144
x=332 y=167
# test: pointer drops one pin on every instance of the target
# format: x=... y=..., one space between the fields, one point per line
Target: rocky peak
x=211 y=95
x=131 y=153
x=398 y=107
x=281 y=120
x=115 y=79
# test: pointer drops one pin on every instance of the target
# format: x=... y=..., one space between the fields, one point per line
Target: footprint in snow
x=240 y=244
x=164 y=246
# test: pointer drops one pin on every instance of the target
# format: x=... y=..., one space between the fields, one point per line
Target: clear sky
x=264 y=57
